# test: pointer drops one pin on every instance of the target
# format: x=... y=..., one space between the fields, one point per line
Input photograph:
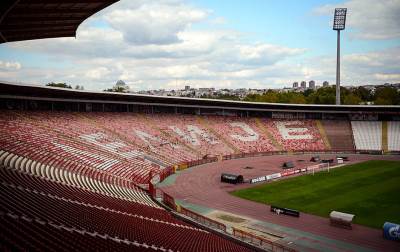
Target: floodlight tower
x=339 y=22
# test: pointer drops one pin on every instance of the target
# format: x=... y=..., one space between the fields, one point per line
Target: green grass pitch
x=370 y=190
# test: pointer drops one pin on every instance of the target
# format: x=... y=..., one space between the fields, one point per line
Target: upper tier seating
x=296 y=135
x=394 y=136
x=242 y=133
x=143 y=132
x=188 y=132
x=132 y=146
x=367 y=135
x=70 y=138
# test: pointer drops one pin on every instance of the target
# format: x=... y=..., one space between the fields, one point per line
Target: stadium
x=96 y=171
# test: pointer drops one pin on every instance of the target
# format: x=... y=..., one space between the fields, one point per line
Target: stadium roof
x=38 y=19
x=34 y=92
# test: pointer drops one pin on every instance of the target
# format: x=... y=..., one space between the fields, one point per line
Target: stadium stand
x=394 y=136
x=88 y=215
x=188 y=131
x=87 y=178
x=141 y=132
x=242 y=133
x=367 y=135
x=94 y=166
x=77 y=141
x=72 y=181
x=296 y=135
x=340 y=134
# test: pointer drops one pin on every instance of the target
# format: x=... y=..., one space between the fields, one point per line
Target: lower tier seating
x=31 y=209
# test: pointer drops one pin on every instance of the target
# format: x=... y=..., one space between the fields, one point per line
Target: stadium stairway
x=268 y=134
x=323 y=134
x=339 y=134
x=385 y=136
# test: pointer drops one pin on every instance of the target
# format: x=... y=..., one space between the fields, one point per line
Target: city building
x=311 y=84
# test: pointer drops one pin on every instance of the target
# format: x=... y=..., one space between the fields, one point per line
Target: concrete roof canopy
x=39 y=19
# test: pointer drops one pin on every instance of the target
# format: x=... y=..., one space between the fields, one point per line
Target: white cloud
x=218 y=21
x=154 y=23
x=149 y=51
x=9 y=66
x=265 y=53
x=97 y=73
x=372 y=19
x=387 y=77
x=360 y=68
x=177 y=54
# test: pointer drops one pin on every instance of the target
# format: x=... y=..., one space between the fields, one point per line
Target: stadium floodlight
x=339 y=23
x=339 y=20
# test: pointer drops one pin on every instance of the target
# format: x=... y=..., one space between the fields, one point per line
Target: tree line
x=327 y=95
x=64 y=85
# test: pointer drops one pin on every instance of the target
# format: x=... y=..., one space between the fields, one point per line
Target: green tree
x=119 y=87
x=325 y=95
x=352 y=99
x=60 y=85
x=363 y=93
x=269 y=96
x=386 y=96
x=308 y=92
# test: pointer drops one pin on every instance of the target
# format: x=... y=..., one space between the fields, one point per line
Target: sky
x=167 y=44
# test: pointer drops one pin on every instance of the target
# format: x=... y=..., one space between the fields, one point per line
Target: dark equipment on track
x=231 y=178
x=345 y=158
x=285 y=211
x=288 y=165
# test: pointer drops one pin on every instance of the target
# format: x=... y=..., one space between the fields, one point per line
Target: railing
x=237 y=233
x=271 y=153
x=166 y=172
x=371 y=152
x=168 y=200
x=202 y=219
x=260 y=241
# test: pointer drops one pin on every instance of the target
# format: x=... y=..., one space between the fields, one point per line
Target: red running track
x=202 y=186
